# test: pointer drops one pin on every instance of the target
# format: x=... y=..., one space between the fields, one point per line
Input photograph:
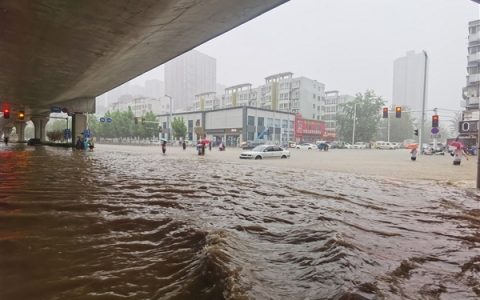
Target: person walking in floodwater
x=184 y=145
x=164 y=147
x=413 y=153
x=5 y=140
x=79 y=143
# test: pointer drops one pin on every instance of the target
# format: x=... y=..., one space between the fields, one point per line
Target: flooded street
x=129 y=223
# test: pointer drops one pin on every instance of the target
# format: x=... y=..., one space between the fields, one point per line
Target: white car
x=307 y=146
x=265 y=151
x=360 y=145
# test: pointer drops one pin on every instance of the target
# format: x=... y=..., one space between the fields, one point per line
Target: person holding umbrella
x=458 y=152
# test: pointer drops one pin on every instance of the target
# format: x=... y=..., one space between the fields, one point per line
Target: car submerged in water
x=265 y=151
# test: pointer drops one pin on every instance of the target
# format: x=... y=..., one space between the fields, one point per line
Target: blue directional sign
x=102 y=119
x=109 y=120
x=435 y=130
x=55 y=109
x=67 y=133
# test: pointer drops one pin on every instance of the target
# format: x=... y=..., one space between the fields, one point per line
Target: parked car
x=306 y=146
x=360 y=145
x=265 y=151
x=348 y=146
x=250 y=145
x=384 y=145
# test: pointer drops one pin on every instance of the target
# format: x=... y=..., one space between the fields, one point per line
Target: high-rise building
x=471 y=92
x=409 y=76
x=154 y=88
x=331 y=109
x=188 y=75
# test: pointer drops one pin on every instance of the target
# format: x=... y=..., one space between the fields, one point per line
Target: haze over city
x=348 y=45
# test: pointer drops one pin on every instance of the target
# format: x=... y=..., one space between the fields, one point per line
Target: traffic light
x=435 y=121
x=415 y=132
x=398 y=112
x=6 y=113
x=385 y=112
x=21 y=115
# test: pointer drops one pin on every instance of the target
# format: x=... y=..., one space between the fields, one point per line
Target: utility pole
x=422 y=126
x=169 y=119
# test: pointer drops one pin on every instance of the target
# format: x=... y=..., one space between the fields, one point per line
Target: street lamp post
x=354 y=121
x=169 y=122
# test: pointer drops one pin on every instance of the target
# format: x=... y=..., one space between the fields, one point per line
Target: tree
x=400 y=128
x=179 y=127
x=366 y=108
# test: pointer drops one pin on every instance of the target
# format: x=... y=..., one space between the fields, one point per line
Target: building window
x=269 y=122
x=261 y=121
x=277 y=123
x=251 y=120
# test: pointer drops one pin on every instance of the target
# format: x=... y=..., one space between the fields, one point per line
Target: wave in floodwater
x=119 y=225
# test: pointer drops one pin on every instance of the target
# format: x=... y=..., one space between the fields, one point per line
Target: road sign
x=55 y=109
x=435 y=130
x=102 y=119
x=468 y=127
x=67 y=133
x=109 y=120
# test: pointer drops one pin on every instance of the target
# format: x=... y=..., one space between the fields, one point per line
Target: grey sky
x=349 y=45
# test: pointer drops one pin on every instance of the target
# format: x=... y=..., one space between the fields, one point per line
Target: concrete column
x=40 y=123
x=20 y=128
x=79 y=124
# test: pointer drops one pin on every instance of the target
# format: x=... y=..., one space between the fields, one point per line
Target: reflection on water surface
x=119 y=225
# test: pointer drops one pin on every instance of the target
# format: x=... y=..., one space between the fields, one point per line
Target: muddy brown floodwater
x=124 y=224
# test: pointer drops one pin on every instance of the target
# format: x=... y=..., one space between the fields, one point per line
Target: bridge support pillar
x=20 y=129
x=79 y=124
x=40 y=123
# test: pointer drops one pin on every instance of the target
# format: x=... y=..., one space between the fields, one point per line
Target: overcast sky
x=349 y=45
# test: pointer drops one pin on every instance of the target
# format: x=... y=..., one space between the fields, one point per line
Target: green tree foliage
x=56 y=135
x=58 y=124
x=400 y=128
x=179 y=128
x=367 y=107
x=123 y=125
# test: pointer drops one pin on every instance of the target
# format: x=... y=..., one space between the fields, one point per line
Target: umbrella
x=205 y=141
x=163 y=140
x=457 y=144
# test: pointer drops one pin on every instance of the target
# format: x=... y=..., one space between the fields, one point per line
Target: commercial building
x=188 y=75
x=308 y=131
x=409 y=75
x=235 y=125
x=331 y=108
x=471 y=92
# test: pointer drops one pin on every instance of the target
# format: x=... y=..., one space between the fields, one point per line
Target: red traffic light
x=385 y=112
x=435 y=120
x=398 y=111
x=6 y=113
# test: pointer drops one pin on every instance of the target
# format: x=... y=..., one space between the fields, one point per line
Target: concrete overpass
x=65 y=53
